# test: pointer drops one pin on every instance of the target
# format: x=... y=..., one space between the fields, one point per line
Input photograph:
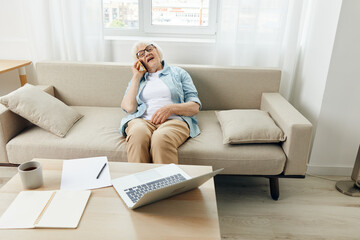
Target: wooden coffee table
x=191 y=215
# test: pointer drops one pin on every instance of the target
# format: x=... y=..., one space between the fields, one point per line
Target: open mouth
x=149 y=59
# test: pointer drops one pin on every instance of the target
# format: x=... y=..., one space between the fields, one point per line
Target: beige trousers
x=158 y=143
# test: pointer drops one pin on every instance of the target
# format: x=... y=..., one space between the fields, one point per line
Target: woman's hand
x=136 y=73
x=129 y=103
x=162 y=114
x=181 y=109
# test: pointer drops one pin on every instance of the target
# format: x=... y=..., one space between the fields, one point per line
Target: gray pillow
x=41 y=109
x=248 y=126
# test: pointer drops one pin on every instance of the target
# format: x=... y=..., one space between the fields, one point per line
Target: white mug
x=31 y=174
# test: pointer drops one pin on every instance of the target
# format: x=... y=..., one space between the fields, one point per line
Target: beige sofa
x=96 y=90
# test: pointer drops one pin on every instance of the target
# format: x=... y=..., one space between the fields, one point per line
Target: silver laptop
x=155 y=184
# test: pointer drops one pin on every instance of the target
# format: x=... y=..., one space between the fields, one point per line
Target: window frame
x=146 y=29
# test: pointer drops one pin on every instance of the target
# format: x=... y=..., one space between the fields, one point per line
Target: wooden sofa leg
x=274 y=188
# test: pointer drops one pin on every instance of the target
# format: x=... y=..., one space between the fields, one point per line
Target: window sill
x=160 y=39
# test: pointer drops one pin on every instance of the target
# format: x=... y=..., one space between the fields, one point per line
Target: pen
x=101 y=171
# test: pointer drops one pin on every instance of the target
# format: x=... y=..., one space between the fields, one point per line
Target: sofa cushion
x=96 y=134
x=247 y=159
x=41 y=109
x=248 y=126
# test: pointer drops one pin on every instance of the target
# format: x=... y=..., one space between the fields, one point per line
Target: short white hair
x=137 y=44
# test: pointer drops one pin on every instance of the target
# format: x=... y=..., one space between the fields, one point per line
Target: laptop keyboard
x=135 y=193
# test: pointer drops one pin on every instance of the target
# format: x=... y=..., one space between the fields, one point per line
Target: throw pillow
x=41 y=109
x=248 y=126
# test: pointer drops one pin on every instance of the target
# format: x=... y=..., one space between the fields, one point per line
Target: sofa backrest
x=222 y=88
x=104 y=84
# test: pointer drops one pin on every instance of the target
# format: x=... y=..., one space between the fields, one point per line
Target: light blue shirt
x=182 y=90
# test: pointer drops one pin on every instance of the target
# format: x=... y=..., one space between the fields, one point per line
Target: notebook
x=45 y=209
x=145 y=187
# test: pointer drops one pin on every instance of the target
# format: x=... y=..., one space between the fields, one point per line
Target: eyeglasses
x=141 y=53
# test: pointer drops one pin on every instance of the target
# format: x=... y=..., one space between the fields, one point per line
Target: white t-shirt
x=155 y=95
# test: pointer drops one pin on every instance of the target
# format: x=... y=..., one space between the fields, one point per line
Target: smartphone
x=141 y=66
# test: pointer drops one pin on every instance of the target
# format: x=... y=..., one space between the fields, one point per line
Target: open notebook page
x=65 y=210
x=25 y=209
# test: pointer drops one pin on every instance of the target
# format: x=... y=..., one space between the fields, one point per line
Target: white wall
x=313 y=65
x=338 y=133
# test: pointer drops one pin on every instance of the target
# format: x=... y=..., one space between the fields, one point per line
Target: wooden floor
x=309 y=208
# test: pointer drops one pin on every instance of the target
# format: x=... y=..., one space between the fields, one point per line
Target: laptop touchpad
x=147 y=175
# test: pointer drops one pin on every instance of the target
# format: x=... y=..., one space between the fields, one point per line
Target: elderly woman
x=161 y=102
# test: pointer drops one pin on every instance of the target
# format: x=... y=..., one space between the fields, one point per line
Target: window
x=159 y=17
x=180 y=13
x=124 y=15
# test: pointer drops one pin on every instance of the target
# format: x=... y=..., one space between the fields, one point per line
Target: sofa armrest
x=12 y=124
x=296 y=128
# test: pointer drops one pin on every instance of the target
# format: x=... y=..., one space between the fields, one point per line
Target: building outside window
x=137 y=17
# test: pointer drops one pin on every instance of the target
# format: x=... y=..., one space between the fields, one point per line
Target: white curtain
x=261 y=33
x=68 y=30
